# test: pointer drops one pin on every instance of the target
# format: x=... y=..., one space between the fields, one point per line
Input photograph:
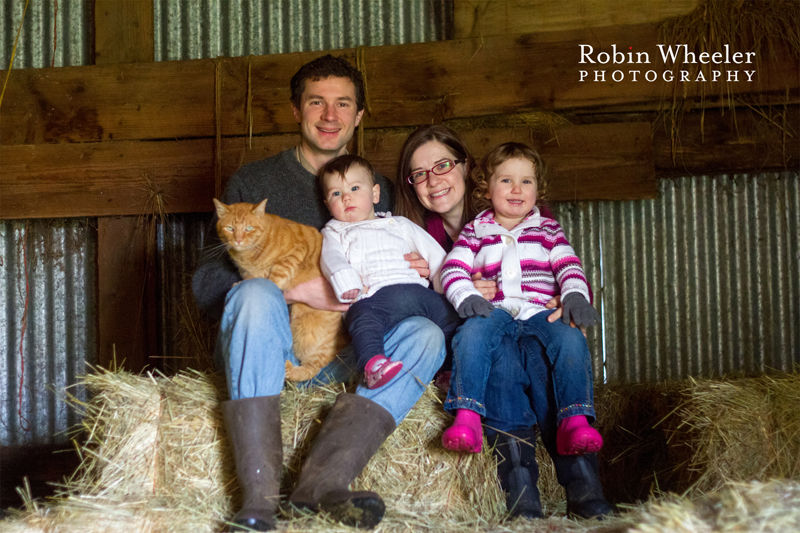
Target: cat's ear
x=222 y=209
x=261 y=208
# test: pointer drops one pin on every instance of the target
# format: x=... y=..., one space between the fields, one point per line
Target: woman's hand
x=555 y=303
x=487 y=288
x=418 y=264
x=316 y=293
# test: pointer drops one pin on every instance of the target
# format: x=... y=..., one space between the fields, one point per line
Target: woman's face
x=441 y=194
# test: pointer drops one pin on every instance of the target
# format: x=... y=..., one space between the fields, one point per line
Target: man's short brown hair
x=322 y=68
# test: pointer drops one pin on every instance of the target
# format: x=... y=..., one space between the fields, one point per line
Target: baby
x=362 y=258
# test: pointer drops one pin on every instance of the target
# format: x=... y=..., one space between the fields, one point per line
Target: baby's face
x=351 y=199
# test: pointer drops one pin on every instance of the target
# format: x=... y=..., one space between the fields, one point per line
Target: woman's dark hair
x=496 y=157
x=322 y=68
x=406 y=202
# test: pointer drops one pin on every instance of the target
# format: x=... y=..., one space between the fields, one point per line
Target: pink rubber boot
x=466 y=433
x=576 y=437
x=380 y=370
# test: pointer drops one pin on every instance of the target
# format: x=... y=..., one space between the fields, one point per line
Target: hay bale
x=740 y=430
x=772 y=507
x=157 y=444
x=697 y=435
x=156 y=459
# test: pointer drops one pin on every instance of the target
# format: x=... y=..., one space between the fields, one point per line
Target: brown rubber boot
x=254 y=432
x=351 y=434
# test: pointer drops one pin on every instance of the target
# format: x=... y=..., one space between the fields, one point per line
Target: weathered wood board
x=476 y=18
x=591 y=162
x=408 y=85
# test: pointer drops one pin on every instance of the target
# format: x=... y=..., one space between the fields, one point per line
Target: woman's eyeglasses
x=441 y=168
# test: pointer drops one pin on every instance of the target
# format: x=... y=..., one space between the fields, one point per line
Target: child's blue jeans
x=505 y=370
x=368 y=320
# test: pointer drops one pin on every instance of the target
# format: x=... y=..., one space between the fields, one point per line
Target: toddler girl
x=531 y=261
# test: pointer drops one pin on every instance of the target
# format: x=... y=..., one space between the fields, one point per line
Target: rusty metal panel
x=194 y=29
x=56 y=34
x=47 y=325
x=703 y=281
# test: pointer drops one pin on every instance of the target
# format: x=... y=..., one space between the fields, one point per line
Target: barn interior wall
x=701 y=281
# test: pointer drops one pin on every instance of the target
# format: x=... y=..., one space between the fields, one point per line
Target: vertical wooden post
x=124 y=33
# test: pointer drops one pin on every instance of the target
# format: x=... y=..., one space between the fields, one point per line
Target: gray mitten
x=577 y=309
x=475 y=306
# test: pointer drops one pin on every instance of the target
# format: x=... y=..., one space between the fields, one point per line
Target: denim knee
x=255 y=294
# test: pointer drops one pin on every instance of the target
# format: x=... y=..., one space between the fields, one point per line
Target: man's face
x=328 y=115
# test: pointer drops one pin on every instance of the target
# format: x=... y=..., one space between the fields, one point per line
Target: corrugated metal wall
x=47 y=324
x=211 y=28
x=68 y=29
x=703 y=281
x=60 y=322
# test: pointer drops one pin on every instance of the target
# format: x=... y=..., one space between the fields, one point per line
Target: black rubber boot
x=580 y=477
x=254 y=432
x=518 y=472
x=351 y=434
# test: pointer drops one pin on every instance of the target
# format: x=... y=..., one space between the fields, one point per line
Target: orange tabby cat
x=286 y=253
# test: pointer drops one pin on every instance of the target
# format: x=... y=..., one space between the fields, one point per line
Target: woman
x=433 y=190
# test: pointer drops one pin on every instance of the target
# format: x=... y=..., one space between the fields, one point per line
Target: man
x=255 y=338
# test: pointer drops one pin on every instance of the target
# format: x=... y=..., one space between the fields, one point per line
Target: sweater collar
x=485 y=224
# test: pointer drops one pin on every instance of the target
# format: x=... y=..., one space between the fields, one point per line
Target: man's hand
x=488 y=289
x=316 y=293
x=418 y=264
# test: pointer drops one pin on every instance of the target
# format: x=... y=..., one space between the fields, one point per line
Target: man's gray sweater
x=291 y=193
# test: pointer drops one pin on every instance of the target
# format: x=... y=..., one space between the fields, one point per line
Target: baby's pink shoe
x=380 y=370
x=466 y=433
x=576 y=437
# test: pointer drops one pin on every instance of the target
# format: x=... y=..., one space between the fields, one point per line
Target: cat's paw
x=299 y=373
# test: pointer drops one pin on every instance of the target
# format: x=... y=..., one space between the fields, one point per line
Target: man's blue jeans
x=255 y=340
x=518 y=373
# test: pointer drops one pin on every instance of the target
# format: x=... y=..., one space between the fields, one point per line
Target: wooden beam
x=124 y=33
x=119 y=178
x=732 y=140
x=482 y=18
x=126 y=293
x=107 y=178
x=408 y=85
x=41 y=181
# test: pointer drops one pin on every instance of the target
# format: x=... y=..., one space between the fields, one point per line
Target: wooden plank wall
x=93 y=119
x=481 y=18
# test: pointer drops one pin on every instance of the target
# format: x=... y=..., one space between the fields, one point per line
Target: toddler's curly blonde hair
x=496 y=157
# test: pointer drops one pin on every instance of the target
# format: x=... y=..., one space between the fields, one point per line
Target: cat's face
x=241 y=225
